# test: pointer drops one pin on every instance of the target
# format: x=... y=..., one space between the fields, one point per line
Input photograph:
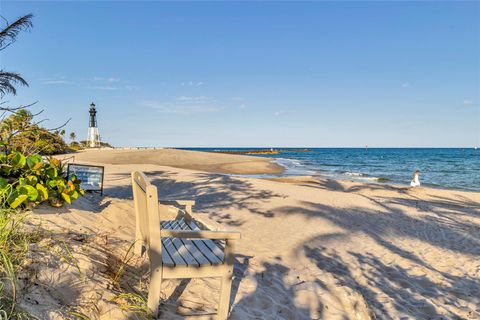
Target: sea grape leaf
x=32 y=180
x=18 y=160
x=51 y=172
x=3 y=183
x=30 y=191
x=66 y=197
x=73 y=195
x=43 y=192
x=33 y=160
x=18 y=201
x=54 y=162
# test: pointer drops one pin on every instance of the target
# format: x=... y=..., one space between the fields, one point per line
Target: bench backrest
x=145 y=199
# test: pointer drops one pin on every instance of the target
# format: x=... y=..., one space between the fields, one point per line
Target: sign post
x=91 y=176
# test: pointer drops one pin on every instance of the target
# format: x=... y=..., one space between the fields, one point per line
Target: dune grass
x=14 y=247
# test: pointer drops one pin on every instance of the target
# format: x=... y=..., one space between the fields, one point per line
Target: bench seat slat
x=172 y=250
x=189 y=252
x=204 y=249
x=181 y=248
x=166 y=258
x=194 y=251
x=209 y=243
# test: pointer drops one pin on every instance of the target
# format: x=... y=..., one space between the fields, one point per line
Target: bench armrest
x=200 y=234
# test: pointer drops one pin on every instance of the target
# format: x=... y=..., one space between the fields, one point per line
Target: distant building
x=93 y=139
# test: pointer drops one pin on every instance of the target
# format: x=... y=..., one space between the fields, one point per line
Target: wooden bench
x=179 y=248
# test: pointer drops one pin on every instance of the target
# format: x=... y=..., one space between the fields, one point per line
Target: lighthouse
x=93 y=139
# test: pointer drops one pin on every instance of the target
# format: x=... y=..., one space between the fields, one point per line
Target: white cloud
x=106 y=79
x=185 y=105
x=467 y=102
x=104 y=88
x=192 y=83
x=242 y=106
x=195 y=99
x=278 y=113
x=61 y=80
x=238 y=99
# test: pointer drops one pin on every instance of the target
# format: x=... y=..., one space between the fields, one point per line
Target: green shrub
x=19 y=132
x=26 y=180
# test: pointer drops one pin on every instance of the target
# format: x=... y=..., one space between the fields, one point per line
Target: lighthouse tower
x=93 y=139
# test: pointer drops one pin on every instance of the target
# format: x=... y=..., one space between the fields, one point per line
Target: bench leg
x=154 y=291
x=225 y=289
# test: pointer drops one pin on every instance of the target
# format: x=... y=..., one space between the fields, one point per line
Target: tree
x=8 y=80
x=20 y=133
x=73 y=136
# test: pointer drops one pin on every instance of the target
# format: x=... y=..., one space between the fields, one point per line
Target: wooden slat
x=163 y=224
x=209 y=243
x=197 y=255
x=166 y=259
x=181 y=248
x=172 y=250
x=202 y=247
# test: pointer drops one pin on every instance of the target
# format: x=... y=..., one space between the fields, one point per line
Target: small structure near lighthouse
x=93 y=139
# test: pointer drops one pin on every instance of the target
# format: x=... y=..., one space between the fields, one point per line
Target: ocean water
x=456 y=168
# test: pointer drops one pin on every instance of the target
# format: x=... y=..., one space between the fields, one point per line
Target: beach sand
x=311 y=248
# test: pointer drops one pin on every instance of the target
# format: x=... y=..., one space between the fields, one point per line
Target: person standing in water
x=415 y=181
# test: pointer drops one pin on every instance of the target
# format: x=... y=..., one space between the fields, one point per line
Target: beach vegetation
x=19 y=132
x=134 y=303
x=32 y=179
x=73 y=136
x=26 y=178
x=15 y=240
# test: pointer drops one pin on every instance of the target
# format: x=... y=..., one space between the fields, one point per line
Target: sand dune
x=310 y=249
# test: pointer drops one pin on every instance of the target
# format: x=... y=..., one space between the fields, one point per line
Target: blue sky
x=254 y=74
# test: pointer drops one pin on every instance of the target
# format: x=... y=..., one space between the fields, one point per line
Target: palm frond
x=9 y=34
x=8 y=80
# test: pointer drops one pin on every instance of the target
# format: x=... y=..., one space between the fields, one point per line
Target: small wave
x=293 y=167
x=355 y=174
x=288 y=162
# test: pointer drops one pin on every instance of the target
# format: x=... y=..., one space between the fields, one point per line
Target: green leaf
x=43 y=192
x=51 y=184
x=30 y=191
x=32 y=180
x=33 y=160
x=66 y=197
x=18 y=201
x=18 y=160
x=73 y=195
x=51 y=172
x=3 y=183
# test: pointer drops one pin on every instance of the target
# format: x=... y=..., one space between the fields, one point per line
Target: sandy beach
x=311 y=248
